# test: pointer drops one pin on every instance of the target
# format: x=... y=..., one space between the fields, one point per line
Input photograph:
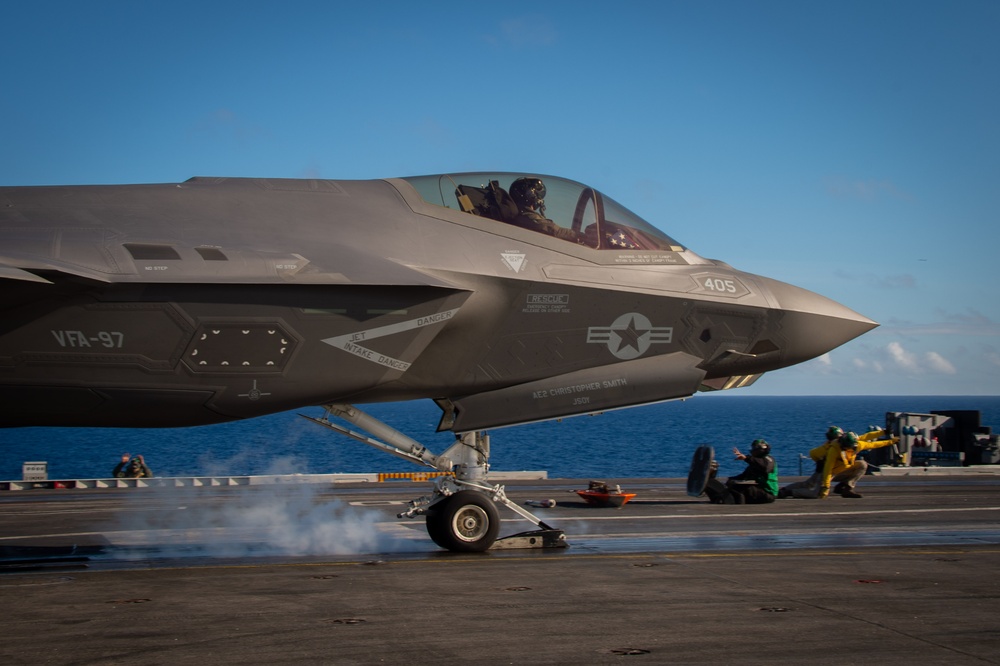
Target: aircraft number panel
x=719 y=284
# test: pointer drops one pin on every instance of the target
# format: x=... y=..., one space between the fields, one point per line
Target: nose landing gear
x=461 y=513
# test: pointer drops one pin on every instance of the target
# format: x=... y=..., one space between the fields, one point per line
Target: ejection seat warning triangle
x=513 y=260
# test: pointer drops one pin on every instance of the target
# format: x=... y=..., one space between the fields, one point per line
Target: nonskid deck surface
x=911 y=572
x=356 y=521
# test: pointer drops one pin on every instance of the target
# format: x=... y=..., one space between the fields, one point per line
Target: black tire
x=466 y=522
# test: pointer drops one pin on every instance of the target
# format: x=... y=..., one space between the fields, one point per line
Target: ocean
x=651 y=441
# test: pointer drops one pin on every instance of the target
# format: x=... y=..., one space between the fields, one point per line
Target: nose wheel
x=462 y=513
x=467 y=521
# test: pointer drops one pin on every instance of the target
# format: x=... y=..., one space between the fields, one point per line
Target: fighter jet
x=507 y=298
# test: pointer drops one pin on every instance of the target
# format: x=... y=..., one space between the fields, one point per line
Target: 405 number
x=720 y=285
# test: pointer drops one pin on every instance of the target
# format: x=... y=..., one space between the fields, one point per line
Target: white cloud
x=940 y=364
x=903 y=358
x=927 y=362
x=872 y=365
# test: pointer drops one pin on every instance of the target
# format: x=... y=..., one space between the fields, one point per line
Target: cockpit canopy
x=558 y=207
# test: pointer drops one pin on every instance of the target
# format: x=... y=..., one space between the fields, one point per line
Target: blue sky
x=852 y=148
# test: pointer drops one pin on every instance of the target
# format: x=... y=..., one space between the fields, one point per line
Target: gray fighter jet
x=506 y=298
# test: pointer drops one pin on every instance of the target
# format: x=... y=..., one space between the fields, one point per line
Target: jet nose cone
x=812 y=324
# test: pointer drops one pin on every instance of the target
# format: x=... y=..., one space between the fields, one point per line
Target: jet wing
x=637 y=382
x=14 y=273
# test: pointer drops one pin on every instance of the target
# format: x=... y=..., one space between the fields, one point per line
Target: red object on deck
x=605 y=497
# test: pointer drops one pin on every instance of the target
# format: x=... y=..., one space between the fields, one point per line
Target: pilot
x=529 y=195
x=838 y=461
x=132 y=468
x=757 y=484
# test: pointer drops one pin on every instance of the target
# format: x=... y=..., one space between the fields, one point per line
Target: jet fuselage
x=220 y=299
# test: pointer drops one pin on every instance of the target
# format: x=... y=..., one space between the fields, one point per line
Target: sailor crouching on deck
x=133 y=468
x=757 y=484
x=837 y=460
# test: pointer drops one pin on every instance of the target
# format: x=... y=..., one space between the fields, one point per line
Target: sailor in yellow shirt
x=841 y=464
x=809 y=489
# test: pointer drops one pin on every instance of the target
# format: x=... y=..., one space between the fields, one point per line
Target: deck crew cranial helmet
x=760 y=449
x=528 y=193
x=833 y=433
x=848 y=440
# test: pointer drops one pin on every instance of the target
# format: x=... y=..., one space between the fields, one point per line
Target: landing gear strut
x=462 y=515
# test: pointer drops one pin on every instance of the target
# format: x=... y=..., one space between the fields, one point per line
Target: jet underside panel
x=734 y=340
x=173 y=355
x=626 y=384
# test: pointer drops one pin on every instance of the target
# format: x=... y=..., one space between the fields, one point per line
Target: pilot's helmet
x=760 y=449
x=848 y=441
x=833 y=433
x=528 y=192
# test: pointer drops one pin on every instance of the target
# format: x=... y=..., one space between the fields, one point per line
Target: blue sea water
x=651 y=441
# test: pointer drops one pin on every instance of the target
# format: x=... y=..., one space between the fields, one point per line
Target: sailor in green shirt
x=757 y=484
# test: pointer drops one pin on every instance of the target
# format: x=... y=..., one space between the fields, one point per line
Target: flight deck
x=322 y=572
